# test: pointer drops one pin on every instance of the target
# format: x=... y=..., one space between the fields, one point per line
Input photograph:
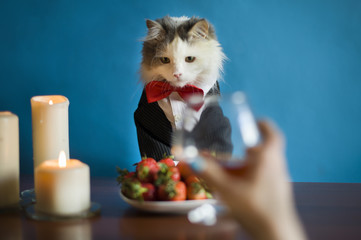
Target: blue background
x=298 y=61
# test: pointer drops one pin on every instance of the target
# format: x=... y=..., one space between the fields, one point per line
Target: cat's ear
x=155 y=30
x=200 y=29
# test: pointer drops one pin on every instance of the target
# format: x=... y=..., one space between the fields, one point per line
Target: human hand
x=261 y=198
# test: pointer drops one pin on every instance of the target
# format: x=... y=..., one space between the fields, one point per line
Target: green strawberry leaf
x=170 y=189
x=122 y=173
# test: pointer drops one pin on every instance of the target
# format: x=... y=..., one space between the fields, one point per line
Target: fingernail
x=197 y=164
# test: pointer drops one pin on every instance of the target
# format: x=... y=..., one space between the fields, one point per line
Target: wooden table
x=328 y=211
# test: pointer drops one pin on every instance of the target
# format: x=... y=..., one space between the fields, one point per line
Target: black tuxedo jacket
x=155 y=132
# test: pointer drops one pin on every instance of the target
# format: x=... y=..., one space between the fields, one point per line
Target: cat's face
x=181 y=51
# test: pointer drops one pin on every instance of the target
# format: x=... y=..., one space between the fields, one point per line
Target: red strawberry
x=168 y=161
x=129 y=175
x=149 y=195
x=195 y=191
x=123 y=174
x=172 y=191
x=161 y=176
x=162 y=194
x=133 y=189
x=174 y=173
x=181 y=192
x=191 y=179
x=184 y=169
x=197 y=188
x=147 y=170
x=166 y=173
x=145 y=160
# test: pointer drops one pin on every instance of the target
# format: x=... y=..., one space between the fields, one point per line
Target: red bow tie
x=157 y=90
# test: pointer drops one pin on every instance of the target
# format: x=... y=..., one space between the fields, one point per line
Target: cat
x=180 y=51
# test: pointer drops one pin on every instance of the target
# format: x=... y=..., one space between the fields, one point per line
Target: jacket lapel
x=151 y=118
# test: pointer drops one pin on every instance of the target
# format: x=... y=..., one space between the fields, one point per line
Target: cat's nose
x=177 y=75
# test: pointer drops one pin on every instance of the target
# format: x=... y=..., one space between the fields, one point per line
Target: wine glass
x=220 y=126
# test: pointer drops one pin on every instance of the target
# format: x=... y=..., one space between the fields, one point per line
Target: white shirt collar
x=173 y=107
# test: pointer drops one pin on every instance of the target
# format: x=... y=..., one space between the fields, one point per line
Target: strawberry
x=195 y=191
x=168 y=160
x=166 y=173
x=197 y=188
x=147 y=170
x=180 y=192
x=149 y=195
x=172 y=191
x=162 y=194
x=184 y=169
x=192 y=179
x=161 y=176
x=132 y=188
x=174 y=173
x=124 y=174
x=145 y=160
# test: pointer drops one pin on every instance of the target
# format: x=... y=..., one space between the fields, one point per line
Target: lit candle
x=62 y=187
x=9 y=159
x=50 y=127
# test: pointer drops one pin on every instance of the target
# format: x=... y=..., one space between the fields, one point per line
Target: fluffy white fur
x=203 y=72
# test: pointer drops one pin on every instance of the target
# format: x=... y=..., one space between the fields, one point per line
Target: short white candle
x=9 y=159
x=62 y=187
x=50 y=127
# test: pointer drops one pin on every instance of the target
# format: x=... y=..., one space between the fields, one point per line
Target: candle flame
x=51 y=102
x=62 y=159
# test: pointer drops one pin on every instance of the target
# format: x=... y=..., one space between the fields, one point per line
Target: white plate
x=167 y=206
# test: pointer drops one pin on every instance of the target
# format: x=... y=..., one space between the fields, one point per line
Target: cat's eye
x=190 y=59
x=165 y=60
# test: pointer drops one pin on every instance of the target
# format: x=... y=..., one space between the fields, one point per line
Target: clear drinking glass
x=220 y=126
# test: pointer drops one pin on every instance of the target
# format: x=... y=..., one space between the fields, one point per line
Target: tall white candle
x=62 y=187
x=50 y=127
x=9 y=159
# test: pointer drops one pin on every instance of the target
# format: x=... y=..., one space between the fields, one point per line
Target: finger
x=270 y=133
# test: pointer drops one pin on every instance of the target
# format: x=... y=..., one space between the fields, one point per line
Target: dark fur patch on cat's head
x=162 y=32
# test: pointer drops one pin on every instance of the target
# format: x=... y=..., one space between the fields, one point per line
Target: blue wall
x=299 y=62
